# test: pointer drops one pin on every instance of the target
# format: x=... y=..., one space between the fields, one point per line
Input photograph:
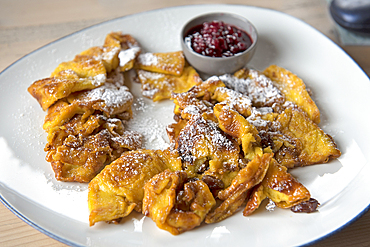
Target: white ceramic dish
x=340 y=88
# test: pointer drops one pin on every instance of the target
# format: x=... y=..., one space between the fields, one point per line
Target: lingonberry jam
x=217 y=39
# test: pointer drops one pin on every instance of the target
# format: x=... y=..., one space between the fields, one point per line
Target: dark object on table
x=353 y=15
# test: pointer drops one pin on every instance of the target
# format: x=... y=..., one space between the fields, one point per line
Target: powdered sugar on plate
x=153 y=131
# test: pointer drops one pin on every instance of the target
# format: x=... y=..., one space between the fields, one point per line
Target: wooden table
x=27 y=25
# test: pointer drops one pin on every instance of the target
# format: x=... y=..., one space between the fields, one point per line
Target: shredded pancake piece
x=175 y=204
x=171 y=63
x=119 y=189
x=278 y=185
x=86 y=102
x=159 y=86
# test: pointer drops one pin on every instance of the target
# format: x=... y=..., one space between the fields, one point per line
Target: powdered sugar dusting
x=148 y=59
x=270 y=206
x=256 y=117
x=58 y=186
x=129 y=139
x=150 y=75
x=153 y=131
x=165 y=62
x=200 y=131
x=113 y=93
x=264 y=96
x=257 y=87
x=236 y=100
x=148 y=90
x=112 y=96
x=125 y=56
x=192 y=110
x=110 y=53
x=98 y=79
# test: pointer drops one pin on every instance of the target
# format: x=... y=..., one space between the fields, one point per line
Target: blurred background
x=27 y=25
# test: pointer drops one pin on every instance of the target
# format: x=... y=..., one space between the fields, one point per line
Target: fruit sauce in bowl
x=217 y=39
x=218 y=43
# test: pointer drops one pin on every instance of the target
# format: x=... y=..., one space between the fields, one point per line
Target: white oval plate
x=339 y=86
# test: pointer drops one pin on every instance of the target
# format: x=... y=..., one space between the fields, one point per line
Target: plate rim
x=35 y=225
